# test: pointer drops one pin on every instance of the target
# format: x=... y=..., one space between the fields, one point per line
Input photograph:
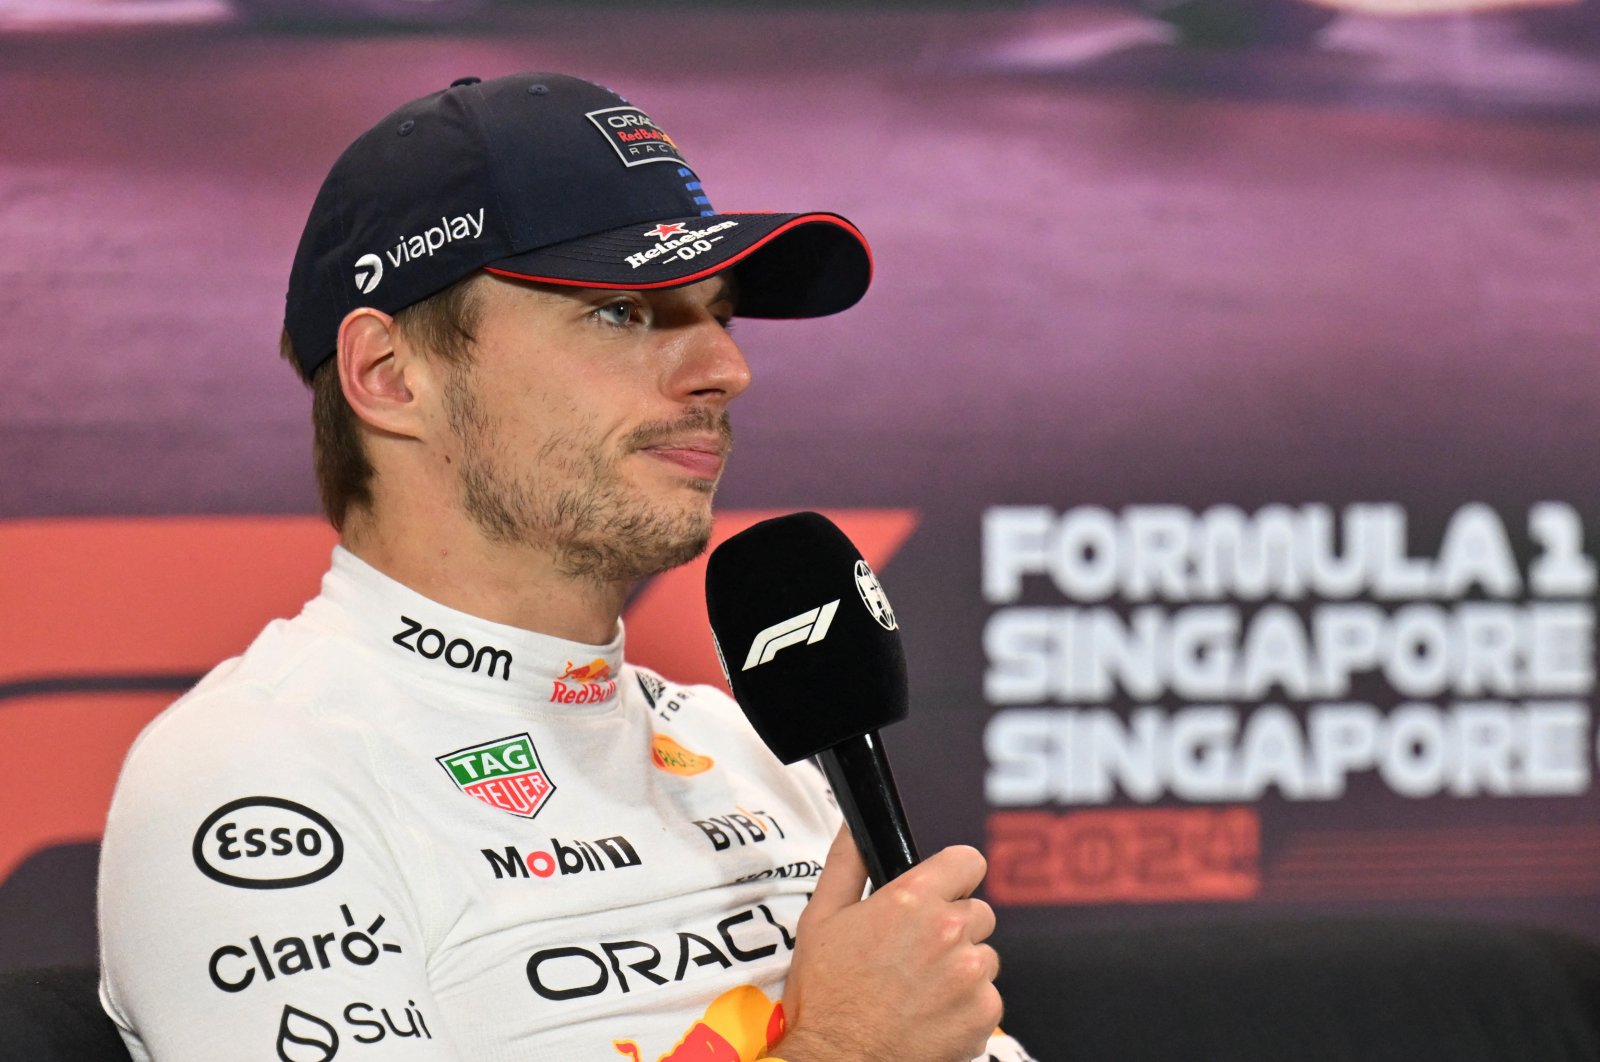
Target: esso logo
x=264 y=842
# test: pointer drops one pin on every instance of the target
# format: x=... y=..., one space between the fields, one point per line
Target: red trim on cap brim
x=711 y=271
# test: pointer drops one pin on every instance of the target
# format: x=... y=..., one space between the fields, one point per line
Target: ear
x=380 y=374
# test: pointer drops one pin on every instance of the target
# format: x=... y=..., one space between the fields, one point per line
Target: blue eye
x=617 y=314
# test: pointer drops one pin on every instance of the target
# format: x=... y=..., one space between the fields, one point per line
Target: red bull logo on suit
x=589 y=683
x=738 y=1026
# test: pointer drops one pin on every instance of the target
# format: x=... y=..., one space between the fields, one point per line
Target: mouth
x=701 y=457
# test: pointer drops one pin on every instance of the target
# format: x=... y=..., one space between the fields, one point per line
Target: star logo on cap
x=662 y=231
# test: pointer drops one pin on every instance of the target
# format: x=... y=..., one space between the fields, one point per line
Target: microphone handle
x=858 y=770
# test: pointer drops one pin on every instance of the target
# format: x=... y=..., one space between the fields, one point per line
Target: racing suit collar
x=424 y=641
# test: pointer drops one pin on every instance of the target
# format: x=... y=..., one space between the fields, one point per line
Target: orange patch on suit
x=668 y=755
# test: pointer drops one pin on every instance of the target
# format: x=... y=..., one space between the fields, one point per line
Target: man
x=435 y=815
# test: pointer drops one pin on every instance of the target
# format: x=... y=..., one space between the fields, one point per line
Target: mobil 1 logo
x=613 y=853
x=267 y=842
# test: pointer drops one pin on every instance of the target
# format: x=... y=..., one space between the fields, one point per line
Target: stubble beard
x=576 y=504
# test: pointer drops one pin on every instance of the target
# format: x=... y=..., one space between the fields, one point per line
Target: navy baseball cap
x=550 y=178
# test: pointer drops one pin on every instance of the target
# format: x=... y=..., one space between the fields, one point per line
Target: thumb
x=843 y=877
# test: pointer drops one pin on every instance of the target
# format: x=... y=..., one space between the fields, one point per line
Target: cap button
x=458 y=82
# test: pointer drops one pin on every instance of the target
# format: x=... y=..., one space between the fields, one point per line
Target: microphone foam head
x=806 y=635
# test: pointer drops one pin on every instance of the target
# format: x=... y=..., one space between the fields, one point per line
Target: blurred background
x=1220 y=421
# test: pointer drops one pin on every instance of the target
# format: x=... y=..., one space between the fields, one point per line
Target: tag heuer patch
x=504 y=773
x=635 y=137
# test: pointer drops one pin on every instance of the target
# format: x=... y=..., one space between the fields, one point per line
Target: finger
x=990 y=1011
x=993 y=965
x=980 y=921
x=843 y=877
x=953 y=873
x=997 y=1000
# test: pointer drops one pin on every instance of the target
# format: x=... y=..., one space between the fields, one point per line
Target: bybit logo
x=369 y=273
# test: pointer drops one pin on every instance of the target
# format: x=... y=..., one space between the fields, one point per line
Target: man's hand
x=903 y=974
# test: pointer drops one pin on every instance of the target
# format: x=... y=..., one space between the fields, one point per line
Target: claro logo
x=233 y=967
x=263 y=842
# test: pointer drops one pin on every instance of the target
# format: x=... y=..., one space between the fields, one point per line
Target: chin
x=641 y=542
x=667 y=555
x=693 y=541
x=690 y=532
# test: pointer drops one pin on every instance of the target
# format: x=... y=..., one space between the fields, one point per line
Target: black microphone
x=812 y=653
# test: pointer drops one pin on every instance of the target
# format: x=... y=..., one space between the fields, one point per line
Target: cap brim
x=787 y=265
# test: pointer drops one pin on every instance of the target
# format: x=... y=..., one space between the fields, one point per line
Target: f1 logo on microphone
x=809 y=627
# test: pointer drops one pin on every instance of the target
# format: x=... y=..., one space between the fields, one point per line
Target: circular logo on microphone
x=873 y=597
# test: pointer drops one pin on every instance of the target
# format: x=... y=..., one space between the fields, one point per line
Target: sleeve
x=250 y=904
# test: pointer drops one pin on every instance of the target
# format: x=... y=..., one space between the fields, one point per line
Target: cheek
x=567 y=411
x=565 y=436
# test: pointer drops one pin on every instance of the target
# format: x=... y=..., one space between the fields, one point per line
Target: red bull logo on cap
x=634 y=136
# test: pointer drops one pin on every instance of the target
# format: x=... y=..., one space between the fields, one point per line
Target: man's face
x=592 y=425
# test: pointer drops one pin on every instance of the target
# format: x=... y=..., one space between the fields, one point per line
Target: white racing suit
x=394 y=832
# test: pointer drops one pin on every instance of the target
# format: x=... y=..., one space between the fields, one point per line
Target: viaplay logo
x=504 y=773
x=369 y=273
x=368 y=269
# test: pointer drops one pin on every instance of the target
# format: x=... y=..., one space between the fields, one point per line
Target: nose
x=713 y=368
